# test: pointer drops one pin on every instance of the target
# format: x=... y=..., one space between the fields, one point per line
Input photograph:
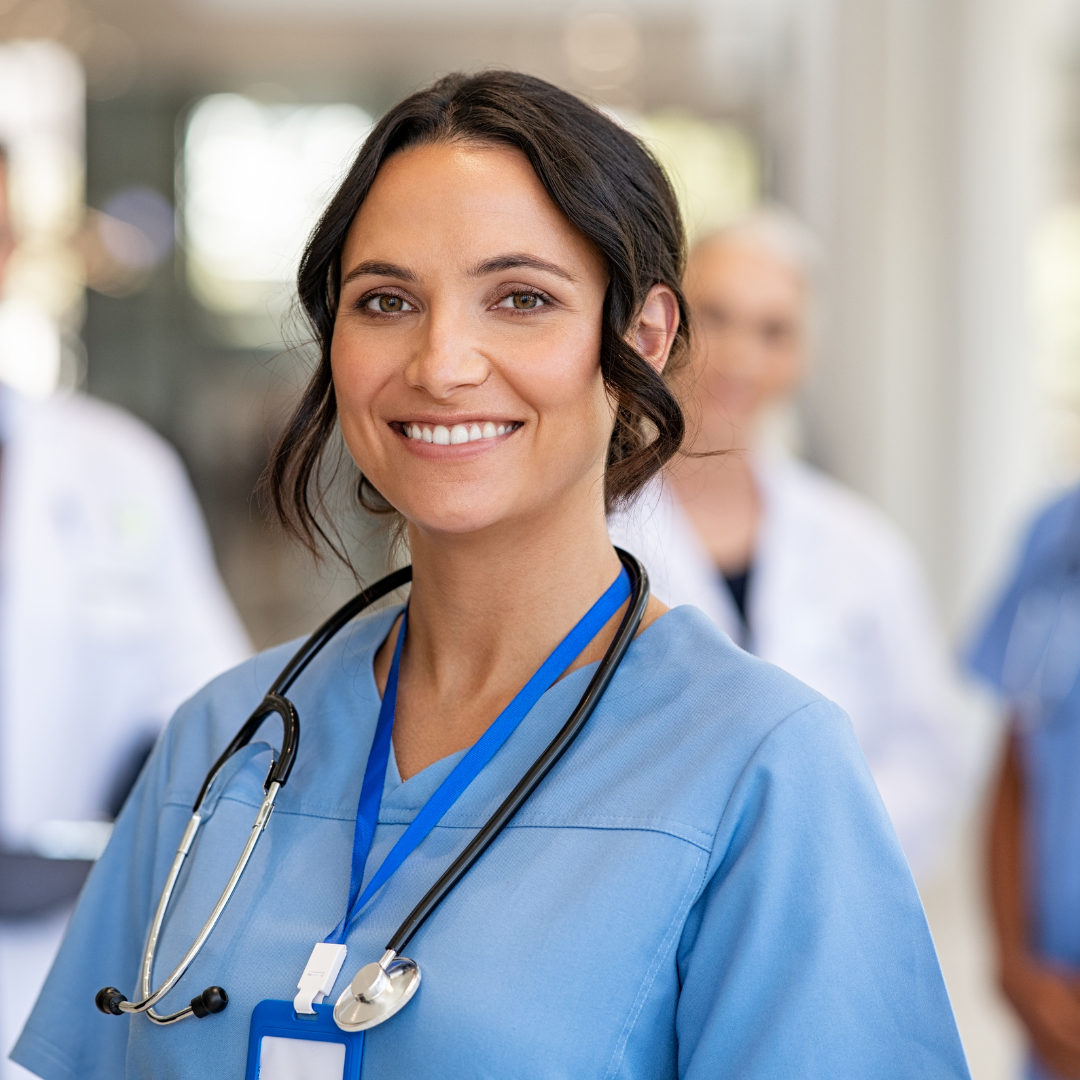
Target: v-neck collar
x=411 y=794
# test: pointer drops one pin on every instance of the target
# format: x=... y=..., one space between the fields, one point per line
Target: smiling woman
x=599 y=230
x=702 y=883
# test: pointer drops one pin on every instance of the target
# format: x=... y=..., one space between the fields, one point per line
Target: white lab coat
x=837 y=598
x=111 y=613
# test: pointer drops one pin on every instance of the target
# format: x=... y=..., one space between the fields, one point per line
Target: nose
x=735 y=353
x=448 y=358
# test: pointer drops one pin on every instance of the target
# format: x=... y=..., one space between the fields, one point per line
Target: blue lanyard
x=466 y=770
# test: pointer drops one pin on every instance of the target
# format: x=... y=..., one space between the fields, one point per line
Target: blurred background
x=168 y=157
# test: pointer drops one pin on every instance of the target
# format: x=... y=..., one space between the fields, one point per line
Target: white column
x=1004 y=164
x=910 y=138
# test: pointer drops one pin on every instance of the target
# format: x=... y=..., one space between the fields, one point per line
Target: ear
x=653 y=332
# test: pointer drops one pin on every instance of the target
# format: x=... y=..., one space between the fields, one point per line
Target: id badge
x=283 y=1045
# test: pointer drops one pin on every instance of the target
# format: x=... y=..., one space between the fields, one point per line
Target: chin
x=456 y=518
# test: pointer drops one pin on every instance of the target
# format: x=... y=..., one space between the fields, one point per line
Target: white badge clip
x=319 y=976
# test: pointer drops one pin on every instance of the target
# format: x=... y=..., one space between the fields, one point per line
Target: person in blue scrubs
x=707 y=884
x=1029 y=651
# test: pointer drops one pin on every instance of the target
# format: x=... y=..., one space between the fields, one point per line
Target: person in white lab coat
x=794 y=566
x=111 y=614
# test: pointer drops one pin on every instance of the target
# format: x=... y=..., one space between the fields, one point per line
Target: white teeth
x=441 y=435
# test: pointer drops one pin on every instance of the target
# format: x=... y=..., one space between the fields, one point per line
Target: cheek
x=356 y=387
x=356 y=375
x=782 y=371
x=728 y=356
x=566 y=389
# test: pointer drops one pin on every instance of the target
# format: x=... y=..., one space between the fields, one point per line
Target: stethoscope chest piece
x=377 y=992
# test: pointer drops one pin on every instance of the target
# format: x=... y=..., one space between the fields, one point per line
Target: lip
x=449 y=421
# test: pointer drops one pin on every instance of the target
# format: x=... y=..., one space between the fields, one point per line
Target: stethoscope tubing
x=275 y=702
x=278 y=775
x=152 y=997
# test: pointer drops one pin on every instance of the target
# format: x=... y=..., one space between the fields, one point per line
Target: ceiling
x=700 y=54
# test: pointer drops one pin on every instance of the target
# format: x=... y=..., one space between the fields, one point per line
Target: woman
x=706 y=884
x=795 y=567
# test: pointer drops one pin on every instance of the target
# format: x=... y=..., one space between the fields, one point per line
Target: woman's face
x=749 y=315
x=466 y=348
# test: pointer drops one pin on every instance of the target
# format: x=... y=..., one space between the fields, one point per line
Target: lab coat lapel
x=658 y=531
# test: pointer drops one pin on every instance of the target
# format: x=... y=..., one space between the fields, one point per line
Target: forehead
x=743 y=266
x=463 y=201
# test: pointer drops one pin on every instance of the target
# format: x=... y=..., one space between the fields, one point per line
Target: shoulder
x=205 y=724
x=689 y=711
x=763 y=771
x=94 y=435
x=699 y=667
x=838 y=517
x=1054 y=528
x=1044 y=562
x=649 y=517
x=84 y=415
x=827 y=503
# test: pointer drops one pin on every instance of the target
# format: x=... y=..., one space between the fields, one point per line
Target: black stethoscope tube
x=275 y=700
x=631 y=620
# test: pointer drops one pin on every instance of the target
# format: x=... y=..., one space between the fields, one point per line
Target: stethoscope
x=379 y=989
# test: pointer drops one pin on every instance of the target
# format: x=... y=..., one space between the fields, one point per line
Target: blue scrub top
x=706 y=886
x=1029 y=651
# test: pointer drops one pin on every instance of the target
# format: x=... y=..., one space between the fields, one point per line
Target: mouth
x=455 y=434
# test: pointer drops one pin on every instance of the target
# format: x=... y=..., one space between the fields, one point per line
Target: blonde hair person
x=791 y=564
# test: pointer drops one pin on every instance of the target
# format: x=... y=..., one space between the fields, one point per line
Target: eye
x=522 y=301
x=387 y=304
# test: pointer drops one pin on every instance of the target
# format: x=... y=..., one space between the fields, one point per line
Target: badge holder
x=285 y=1045
x=298 y=1039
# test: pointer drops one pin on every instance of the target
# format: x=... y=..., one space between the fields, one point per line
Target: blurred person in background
x=794 y=566
x=1029 y=651
x=111 y=613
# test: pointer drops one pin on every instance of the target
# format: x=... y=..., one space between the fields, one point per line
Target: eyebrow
x=518 y=259
x=375 y=268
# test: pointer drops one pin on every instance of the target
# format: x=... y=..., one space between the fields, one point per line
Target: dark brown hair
x=609 y=188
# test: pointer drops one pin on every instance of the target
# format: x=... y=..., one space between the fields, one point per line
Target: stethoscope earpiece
x=212 y=1000
x=108 y=999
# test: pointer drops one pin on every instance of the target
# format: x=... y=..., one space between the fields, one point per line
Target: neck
x=480 y=599
x=720 y=495
x=487 y=608
x=722 y=479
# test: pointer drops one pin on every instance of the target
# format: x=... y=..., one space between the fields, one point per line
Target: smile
x=441 y=435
